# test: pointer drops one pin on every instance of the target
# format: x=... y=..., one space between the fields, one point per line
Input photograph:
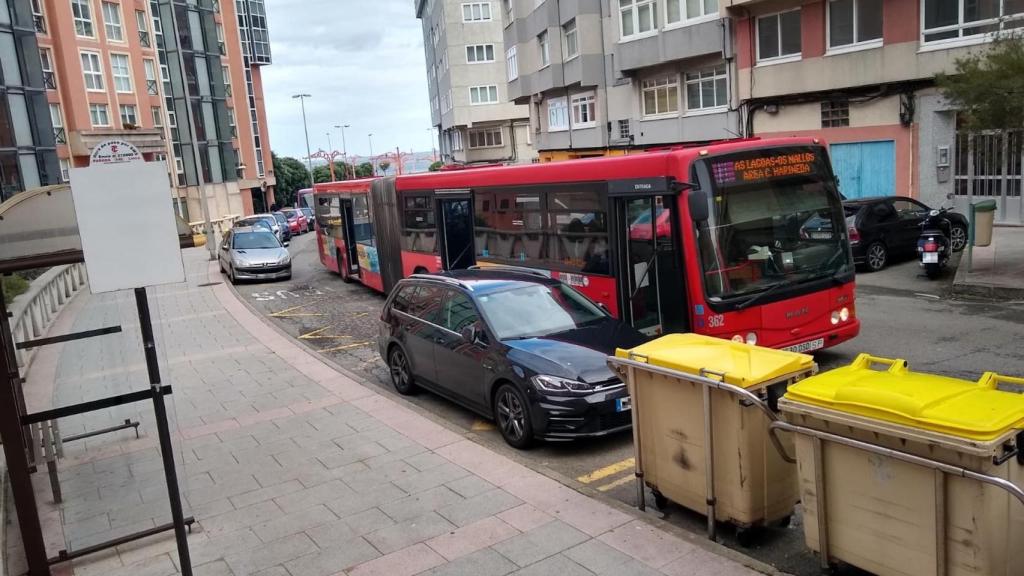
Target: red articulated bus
x=743 y=240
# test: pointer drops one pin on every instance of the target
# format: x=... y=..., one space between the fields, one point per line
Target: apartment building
x=607 y=76
x=860 y=75
x=467 y=78
x=27 y=152
x=115 y=69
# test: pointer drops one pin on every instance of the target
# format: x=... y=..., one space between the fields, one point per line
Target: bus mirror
x=698 y=205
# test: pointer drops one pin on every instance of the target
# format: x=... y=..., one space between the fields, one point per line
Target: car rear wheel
x=401 y=372
x=231 y=274
x=958 y=238
x=877 y=256
x=513 y=416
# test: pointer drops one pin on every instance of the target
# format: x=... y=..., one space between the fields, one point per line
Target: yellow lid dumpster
x=906 y=473
x=701 y=408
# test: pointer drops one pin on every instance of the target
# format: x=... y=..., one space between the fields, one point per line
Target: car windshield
x=775 y=218
x=255 y=241
x=253 y=223
x=537 y=310
x=281 y=218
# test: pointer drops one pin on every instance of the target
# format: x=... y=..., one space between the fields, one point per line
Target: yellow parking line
x=318 y=335
x=607 y=471
x=345 y=347
x=286 y=312
x=617 y=483
x=481 y=426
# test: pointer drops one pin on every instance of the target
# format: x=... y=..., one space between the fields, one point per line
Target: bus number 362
x=716 y=321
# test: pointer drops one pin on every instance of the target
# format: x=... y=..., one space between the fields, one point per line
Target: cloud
x=363 y=63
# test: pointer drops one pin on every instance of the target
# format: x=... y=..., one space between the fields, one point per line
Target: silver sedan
x=254 y=254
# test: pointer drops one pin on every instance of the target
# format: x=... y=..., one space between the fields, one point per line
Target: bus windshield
x=775 y=219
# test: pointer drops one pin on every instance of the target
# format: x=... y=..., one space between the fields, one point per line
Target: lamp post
x=344 y=148
x=373 y=165
x=305 y=128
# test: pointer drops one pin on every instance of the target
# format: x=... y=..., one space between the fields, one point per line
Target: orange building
x=115 y=68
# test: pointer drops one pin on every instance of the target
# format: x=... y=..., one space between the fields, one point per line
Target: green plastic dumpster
x=984 y=218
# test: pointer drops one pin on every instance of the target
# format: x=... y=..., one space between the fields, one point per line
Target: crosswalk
x=611 y=476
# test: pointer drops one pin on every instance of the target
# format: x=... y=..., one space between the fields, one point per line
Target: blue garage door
x=865 y=168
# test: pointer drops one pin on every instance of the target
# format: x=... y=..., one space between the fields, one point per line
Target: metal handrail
x=960 y=471
x=33 y=312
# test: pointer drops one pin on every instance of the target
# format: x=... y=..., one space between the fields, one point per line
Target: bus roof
x=359 y=185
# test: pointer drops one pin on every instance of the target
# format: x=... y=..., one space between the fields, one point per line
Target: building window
x=778 y=36
x=707 y=89
x=57 y=119
x=38 y=19
x=677 y=11
x=232 y=123
x=583 y=111
x=81 y=11
x=142 y=21
x=558 y=114
x=456 y=140
x=477 y=53
x=226 y=74
x=112 y=22
x=624 y=131
x=221 y=45
x=172 y=119
x=121 y=71
x=572 y=46
x=476 y=12
x=485 y=138
x=637 y=17
x=512 y=63
x=854 y=22
x=65 y=170
x=483 y=95
x=835 y=114
x=99 y=115
x=660 y=96
x=129 y=115
x=152 y=84
x=46 y=63
x=93 y=71
x=158 y=116
x=956 y=19
x=545 y=48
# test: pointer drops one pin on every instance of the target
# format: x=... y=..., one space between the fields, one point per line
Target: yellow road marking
x=345 y=347
x=481 y=426
x=617 y=483
x=286 y=312
x=316 y=335
x=607 y=471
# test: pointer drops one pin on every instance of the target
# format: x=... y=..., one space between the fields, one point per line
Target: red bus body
x=620 y=231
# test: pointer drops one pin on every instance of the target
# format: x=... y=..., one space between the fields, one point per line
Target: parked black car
x=282 y=221
x=521 y=348
x=887 y=227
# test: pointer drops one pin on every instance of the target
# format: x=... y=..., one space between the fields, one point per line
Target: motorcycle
x=933 y=245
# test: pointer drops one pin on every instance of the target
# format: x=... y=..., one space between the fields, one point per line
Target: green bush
x=13 y=286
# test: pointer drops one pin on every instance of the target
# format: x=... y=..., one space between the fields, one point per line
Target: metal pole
x=162 y=427
x=373 y=165
x=344 y=149
x=193 y=137
x=305 y=129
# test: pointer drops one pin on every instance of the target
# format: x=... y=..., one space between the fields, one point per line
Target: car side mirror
x=473 y=335
x=698 y=201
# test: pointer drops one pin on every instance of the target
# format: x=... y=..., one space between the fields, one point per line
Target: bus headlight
x=844 y=314
x=835 y=317
x=737 y=338
x=752 y=338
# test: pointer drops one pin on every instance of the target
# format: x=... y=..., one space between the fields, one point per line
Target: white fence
x=33 y=312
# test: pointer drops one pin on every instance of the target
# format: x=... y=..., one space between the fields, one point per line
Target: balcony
x=152 y=87
x=59 y=135
x=49 y=80
x=144 y=39
x=147 y=141
x=40 y=23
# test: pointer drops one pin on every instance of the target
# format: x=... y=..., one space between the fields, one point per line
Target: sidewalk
x=998 y=269
x=292 y=468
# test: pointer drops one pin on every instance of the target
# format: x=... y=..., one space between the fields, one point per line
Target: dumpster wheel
x=746 y=537
x=660 y=501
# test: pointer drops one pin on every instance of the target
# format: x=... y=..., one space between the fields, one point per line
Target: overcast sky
x=361 y=60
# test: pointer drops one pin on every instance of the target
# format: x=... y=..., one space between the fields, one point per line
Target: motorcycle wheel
x=932 y=271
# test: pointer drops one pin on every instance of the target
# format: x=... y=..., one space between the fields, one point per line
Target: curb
x=689 y=537
x=963 y=288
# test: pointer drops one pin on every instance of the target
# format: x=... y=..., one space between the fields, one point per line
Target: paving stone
x=421 y=503
x=358 y=502
x=223 y=545
x=156 y=566
x=539 y=543
x=285 y=525
x=410 y=532
x=431 y=478
x=525 y=518
x=699 y=562
x=603 y=560
x=471 y=538
x=406 y=562
x=426 y=461
x=646 y=543
x=479 y=506
x=470 y=486
x=335 y=559
x=557 y=564
x=484 y=562
x=271 y=554
x=268 y=493
x=218 y=568
x=325 y=493
x=241 y=518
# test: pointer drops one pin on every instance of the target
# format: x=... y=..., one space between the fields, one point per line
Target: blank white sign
x=126 y=222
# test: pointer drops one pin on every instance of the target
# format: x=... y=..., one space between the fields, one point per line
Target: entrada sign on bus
x=743 y=240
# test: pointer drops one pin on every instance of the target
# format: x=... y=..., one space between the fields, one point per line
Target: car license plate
x=623 y=404
x=807 y=346
x=930 y=257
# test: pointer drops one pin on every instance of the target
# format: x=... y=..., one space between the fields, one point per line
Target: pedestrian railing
x=33 y=312
x=220 y=225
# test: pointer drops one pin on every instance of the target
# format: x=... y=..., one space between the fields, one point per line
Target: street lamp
x=305 y=128
x=373 y=165
x=344 y=148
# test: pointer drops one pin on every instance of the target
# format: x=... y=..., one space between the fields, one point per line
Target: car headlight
x=556 y=384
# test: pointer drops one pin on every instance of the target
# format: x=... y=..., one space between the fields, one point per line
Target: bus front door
x=456 y=223
x=349 y=237
x=651 y=298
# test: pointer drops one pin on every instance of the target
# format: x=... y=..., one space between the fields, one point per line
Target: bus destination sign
x=764 y=168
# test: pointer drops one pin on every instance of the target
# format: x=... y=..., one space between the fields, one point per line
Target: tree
x=384 y=165
x=321 y=174
x=988 y=87
x=364 y=170
x=291 y=177
x=436 y=166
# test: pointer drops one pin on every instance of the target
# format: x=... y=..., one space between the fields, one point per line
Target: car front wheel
x=958 y=238
x=877 y=256
x=513 y=416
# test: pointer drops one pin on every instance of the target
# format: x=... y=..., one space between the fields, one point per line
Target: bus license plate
x=623 y=404
x=930 y=257
x=807 y=346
